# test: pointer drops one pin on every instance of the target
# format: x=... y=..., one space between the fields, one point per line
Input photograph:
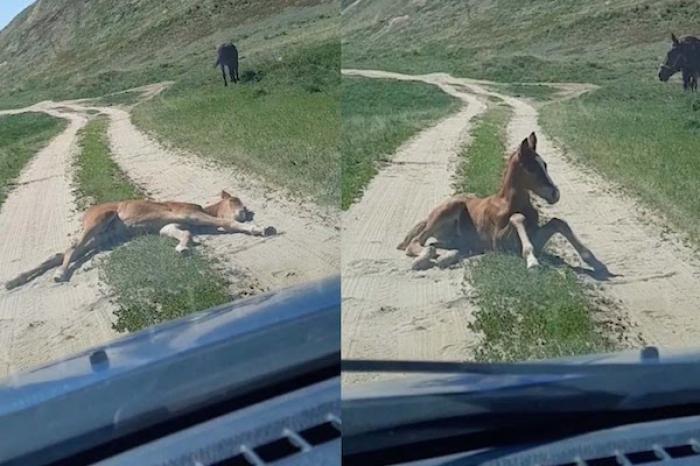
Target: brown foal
x=506 y=220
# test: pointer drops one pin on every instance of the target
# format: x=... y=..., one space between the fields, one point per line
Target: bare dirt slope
x=656 y=290
x=390 y=311
x=42 y=320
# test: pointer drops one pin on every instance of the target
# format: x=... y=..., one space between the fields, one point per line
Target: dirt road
x=390 y=312
x=42 y=320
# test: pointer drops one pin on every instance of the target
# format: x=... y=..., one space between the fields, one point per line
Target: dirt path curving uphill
x=656 y=291
x=390 y=311
x=42 y=320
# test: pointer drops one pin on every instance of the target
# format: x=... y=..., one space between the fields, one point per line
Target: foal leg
x=557 y=225
x=184 y=237
x=79 y=247
x=528 y=251
x=231 y=226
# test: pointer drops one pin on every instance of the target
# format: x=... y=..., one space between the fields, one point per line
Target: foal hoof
x=269 y=231
x=532 y=263
x=182 y=249
x=59 y=277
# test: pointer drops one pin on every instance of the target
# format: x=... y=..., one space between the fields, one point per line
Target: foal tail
x=21 y=279
x=415 y=231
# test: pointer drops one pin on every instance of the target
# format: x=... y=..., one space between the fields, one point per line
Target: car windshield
x=139 y=185
x=502 y=195
x=519 y=181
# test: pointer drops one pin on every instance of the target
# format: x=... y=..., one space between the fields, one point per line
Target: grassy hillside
x=66 y=48
x=377 y=116
x=504 y=40
x=636 y=130
x=281 y=122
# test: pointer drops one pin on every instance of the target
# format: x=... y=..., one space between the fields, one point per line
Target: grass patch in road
x=522 y=314
x=153 y=283
x=531 y=314
x=539 y=92
x=481 y=163
x=280 y=122
x=21 y=137
x=377 y=117
x=149 y=281
x=646 y=137
x=98 y=178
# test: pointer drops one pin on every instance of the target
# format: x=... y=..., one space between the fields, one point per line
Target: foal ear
x=674 y=39
x=225 y=195
x=525 y=148
x=532 y=141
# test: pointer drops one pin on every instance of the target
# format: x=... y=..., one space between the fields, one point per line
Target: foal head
x=231 y=207
x=532 y=171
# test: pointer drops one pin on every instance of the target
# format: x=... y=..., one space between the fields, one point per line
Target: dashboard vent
x=657 y=454
x=288 y=444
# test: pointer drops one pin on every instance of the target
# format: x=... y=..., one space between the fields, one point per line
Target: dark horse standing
x=228 y=56
x=684 y=56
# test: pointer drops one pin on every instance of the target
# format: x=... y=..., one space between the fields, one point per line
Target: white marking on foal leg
x=425 y=258
x=528 y=252
x=173 y=230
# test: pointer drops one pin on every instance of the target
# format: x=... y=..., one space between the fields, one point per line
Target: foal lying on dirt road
x=504 y=221
x=122 y=220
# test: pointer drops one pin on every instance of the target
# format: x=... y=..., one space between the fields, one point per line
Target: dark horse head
x=680 y=57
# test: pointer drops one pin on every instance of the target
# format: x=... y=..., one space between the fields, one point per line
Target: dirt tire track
x=43 y=320
x=390 y=311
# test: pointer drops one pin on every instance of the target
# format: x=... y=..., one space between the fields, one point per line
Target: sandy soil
x=42 y=321
x=390 y=312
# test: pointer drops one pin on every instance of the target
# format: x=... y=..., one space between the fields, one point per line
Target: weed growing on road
x=377 y=117
x=21 y=137
x=480 y=167
x=522 y=314
x=98 y=177
x=153 y=283
x=530 y=314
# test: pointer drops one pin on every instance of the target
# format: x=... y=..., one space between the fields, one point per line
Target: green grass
x=522 y=314
x=531 y=314
x=98 y=178
x=481 y=163
x=647 y=137
x=153 y=283
x=149 y=281
x=21 y=137
x=377 y=116
x=281 y=122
